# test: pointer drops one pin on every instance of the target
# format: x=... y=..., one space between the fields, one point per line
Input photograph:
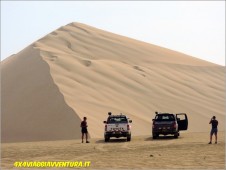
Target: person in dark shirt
x=84 y=129
x=214 y=129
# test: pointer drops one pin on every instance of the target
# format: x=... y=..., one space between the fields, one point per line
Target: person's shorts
x=213 y=131
x=84 y=130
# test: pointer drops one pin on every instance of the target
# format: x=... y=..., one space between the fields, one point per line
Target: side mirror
x=105 y=122
x=130 y=121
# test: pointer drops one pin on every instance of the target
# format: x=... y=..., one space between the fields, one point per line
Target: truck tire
x=129 y=138
x=176 y=135
x=106 y=139
x=155 y=135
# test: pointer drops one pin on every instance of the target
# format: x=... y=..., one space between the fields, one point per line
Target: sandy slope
x=189 y=151
x=84 y=71
x=32 y=106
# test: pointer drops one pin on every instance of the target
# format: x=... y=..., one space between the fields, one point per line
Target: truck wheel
x=155 y=135
x=129 y=138
x=176 y=135
x=106 y=139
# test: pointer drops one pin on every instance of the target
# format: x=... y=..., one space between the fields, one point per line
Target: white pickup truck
x=117 y=126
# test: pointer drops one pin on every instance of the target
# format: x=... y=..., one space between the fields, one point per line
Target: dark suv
x=168 y=123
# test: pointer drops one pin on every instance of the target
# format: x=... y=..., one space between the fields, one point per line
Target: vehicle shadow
x=114 y=140
x=161 y=138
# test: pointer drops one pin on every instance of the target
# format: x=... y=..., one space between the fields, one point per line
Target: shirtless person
x=84 y=129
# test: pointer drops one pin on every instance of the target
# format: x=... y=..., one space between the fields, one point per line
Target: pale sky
x=191 y=27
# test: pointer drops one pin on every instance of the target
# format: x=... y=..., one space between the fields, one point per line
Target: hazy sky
x=194 y=28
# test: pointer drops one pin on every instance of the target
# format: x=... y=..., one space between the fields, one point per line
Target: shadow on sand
x=162 y=138
x=113 y=140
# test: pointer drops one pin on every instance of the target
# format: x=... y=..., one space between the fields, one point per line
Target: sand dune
x=79 y=71
x=32 y=106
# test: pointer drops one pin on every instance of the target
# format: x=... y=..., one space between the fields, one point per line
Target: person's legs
x=210 y=139
x=82 y=137
x=211 y=134
x=216 y=137
x=86 y=137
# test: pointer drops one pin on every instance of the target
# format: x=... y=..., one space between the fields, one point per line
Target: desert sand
x=189 y=151
x=78 y=70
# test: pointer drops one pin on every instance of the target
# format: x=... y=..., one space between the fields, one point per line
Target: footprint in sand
x=86 y=63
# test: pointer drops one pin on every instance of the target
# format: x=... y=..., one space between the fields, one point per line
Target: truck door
x=182 y=121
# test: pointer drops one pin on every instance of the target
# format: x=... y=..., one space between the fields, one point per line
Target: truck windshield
x=166 y=117
x=117 y=120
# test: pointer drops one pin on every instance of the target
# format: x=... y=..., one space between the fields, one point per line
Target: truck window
x=117 y=120
x=164 y=118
